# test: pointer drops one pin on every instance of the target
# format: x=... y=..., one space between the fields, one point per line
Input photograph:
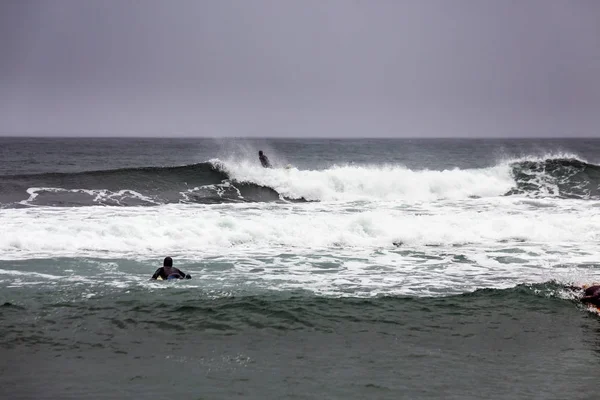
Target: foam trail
x=101 y=196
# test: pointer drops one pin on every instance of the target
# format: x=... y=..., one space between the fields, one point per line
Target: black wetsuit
x=592 y=295
x=264 y=161
x=165 y=272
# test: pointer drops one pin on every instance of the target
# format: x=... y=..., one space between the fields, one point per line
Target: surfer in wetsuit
x=591 y=293
x=264 y=160
x=167 y=271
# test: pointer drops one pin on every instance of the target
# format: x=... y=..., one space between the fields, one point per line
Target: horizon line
x=41 y=136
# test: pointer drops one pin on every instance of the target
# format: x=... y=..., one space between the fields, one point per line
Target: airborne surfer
x=264 y=160
x=167 y=271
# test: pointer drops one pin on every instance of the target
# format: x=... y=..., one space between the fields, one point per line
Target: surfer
x=264 y=160
x=167 y=271
x=591 y=293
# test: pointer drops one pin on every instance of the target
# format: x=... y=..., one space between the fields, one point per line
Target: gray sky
x=400 y=68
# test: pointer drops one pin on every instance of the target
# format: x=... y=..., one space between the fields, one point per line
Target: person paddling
x=167 y=271
x=591 y=293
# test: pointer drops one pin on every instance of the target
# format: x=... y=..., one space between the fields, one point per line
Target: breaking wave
x=216 y=181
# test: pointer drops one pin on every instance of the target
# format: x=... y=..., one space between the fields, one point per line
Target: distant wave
x=216 y=181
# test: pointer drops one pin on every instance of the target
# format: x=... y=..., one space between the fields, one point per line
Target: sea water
x=352 y=269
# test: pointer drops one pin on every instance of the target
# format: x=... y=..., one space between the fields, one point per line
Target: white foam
x=352 y=183
x=197 y=230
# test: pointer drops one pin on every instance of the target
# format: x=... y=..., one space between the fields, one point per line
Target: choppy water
x=353 y=269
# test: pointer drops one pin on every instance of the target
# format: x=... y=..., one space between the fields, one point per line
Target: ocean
x=353 y=269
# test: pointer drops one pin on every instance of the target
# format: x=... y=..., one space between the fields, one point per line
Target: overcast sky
x=399 y=68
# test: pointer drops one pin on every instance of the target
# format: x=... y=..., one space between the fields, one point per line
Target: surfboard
x=169 y=278
x=593 y=309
